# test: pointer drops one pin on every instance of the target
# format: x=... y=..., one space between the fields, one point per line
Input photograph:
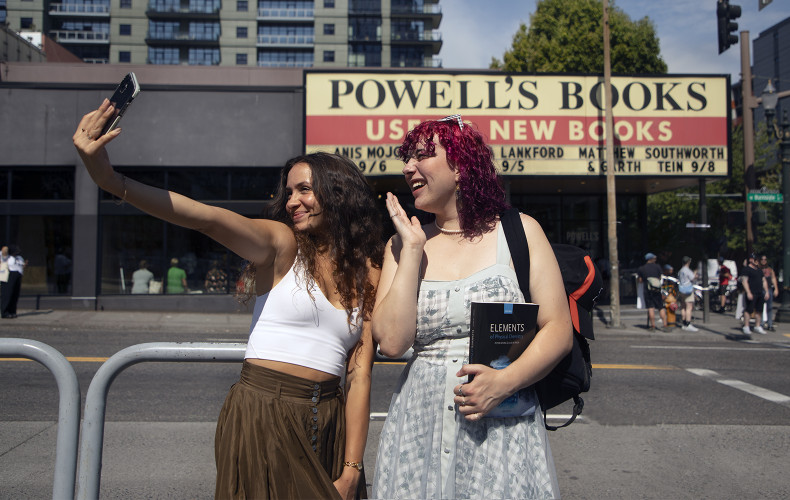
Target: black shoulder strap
x=519 y=250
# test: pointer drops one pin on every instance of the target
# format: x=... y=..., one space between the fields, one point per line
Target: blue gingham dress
x=427 y=449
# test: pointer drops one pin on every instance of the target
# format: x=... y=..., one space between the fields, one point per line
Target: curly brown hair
x=353 y=227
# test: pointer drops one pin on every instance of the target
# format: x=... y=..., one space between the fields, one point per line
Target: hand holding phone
x=124 y=94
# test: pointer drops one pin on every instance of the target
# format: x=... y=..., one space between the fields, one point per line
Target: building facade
x=771 y=61
x=267 y=33
x=218 y=135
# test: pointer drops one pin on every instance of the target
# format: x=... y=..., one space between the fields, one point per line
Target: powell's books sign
x=675 y=125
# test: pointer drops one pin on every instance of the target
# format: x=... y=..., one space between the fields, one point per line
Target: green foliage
x=668 y=213
x=567 y=36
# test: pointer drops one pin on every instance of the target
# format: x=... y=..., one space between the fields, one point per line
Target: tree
x=668 y=212
x=567 y=36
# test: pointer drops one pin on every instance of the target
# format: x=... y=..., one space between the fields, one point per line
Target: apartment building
x=267 y=33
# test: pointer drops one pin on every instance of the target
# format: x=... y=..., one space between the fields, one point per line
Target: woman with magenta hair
x=437 y=441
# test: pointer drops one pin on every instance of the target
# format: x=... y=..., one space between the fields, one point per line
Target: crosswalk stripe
x=754 y=390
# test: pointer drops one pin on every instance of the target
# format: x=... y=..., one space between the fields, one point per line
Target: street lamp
x=782 y=134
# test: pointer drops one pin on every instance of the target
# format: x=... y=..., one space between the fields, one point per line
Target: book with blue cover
x=499 y=333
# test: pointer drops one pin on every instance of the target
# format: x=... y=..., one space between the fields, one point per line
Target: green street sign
x=765 y=197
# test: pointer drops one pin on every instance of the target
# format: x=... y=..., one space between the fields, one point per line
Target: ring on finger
x=463 y=401
x=460 y=390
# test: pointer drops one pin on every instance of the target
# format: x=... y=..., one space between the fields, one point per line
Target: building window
x=163 y=55
x=329 y=4
x=26 y=23
x=124 y=56
x=199 y=56
x=241 y=5
x=241 y=32
x=125 y=29
x=284 y=59
x=329 y=56
x=126 y=4
x=329 y=29
x=241 y=59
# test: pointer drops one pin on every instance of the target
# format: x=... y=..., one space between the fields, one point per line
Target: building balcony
x=432 y=38
x=285 y=64
x=364 y=38
x=286 y=40
x=160 y=11
x=431 y=12
x=285 y=14
x=86 y=37
x=79 y=10
x=426 y=62
x=178 y=39
x=409 y=10
x=364 y=11
x=96 y=60
x=180 y=62
x=415 y=36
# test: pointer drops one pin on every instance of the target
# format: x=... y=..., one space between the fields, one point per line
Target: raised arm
x=551 y=343
x=395 y=314
x=259 y=241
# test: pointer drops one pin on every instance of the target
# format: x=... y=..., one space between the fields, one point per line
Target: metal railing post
x=68 y=407
x=89 y=472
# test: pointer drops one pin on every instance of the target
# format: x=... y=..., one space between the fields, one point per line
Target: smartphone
x=121 y=98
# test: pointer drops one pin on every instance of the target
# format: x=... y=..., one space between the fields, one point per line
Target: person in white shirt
x=141 y=279
x=686 y=278
x=11 y=289
x=288 y=428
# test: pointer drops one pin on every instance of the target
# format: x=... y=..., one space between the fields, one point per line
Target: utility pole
x=749 y=103
x=611 y=201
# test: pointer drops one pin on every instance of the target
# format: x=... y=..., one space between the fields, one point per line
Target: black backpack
x=583 y=285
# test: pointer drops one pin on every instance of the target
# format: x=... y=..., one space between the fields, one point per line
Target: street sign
x=765 y=197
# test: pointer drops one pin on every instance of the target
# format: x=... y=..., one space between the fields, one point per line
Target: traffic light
x=725 y=13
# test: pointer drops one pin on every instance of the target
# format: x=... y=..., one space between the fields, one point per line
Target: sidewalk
x=633 y=322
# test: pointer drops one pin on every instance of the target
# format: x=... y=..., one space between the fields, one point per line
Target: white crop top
x=289 y=326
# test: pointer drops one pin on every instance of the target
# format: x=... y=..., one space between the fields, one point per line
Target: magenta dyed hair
x=481 y=196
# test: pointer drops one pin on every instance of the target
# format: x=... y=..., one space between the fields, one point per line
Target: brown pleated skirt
x=280 y=437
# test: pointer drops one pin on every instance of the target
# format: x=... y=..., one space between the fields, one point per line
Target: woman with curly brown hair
x=435 y=442
x=287 y=428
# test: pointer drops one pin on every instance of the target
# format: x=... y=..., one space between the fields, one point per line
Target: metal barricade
x=89 y=474
x=68 y=407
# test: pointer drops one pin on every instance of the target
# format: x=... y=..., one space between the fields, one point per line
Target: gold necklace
x=447 y=231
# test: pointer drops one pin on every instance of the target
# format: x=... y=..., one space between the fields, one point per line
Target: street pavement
x=166 y=459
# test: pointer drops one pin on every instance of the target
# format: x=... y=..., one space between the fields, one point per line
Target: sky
x=474 y=31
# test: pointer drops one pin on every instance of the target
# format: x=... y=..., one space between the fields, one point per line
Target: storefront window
x=42 y=184
x=129 y=236
x=44 y=241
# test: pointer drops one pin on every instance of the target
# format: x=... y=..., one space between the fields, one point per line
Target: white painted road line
x=552 y=418
x=702 y=348
x=754 y=390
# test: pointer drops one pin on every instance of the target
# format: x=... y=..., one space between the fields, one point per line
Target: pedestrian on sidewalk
x=755 y=287
x=650 y=277
x=773 y=291
x=725 y=275
x=287 y=429
x=12 y=289
x=686 y=278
